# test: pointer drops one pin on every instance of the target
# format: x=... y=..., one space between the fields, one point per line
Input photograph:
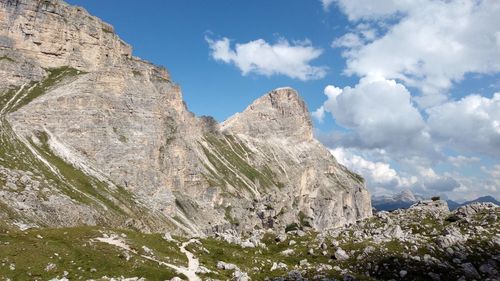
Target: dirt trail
x=189 y=272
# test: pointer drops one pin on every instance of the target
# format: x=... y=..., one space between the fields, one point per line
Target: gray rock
x=281 y=237
x=489 y=268
x=394 y=232
x=470 y=271
x=277 y=266
x=240 y=276
x=226 y=266
x=303 y=263
x=341 y=254
x=247 y=244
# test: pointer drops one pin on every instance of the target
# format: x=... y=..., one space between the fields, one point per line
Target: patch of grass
x=6 y=58
x=229 y=217
x=70 y=249
x=14 y=154
x=35 y=90
x=292 y=227
x=227 y=151
x=304 y=220
x=76 y=178
x=105 y=30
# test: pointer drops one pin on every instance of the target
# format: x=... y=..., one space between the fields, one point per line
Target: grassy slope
x=229 y=158
x=71 y=181
x=71 y=250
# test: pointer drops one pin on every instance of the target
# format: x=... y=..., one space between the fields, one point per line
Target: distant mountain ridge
x=483 y=199
x=401 y=200
x=406 y=198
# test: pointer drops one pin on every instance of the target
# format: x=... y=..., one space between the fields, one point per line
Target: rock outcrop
x=102 y=137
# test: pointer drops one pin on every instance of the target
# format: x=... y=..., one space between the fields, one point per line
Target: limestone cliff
x=93 y=135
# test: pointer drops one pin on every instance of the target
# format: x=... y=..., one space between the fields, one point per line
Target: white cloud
x=461 y=161
x=348 y=40
x=380 y=9
x=319 y=114
x=380 y=177
x=327 y=3
x=427 y=44
x=422 y=180
x=396 y=45
x=260 y=57
x=471 y=124
x=380 y=114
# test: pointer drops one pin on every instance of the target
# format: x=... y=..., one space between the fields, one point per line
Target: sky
x=404 y=92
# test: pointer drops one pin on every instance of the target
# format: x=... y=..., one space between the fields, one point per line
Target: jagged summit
x=405 y=195
x=279 y=113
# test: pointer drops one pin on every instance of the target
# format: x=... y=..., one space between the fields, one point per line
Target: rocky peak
x=405 y=196
x=56 y=34
x=281 y=112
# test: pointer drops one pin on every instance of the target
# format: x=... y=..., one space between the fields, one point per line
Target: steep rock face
x=107 y=139
x=312 y=186
x=280 y=113
x=57 y=34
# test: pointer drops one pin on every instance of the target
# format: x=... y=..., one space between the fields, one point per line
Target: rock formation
x=93 y=135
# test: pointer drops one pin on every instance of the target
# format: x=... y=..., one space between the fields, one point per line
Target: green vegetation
x=55 y=172
x=72 y=250
x=304 y=220
x=229 y=217
x=355 y=176
x=292 y=227
x=87 y=188
x=31 y=92
x=105 y=30
x=6 y=58
x=230 y=158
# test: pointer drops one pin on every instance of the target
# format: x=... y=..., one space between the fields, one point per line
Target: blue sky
x=402 y=92
x=172 y=33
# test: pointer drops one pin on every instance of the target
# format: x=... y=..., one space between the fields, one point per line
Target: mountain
x=401 y=200
x=91 y=135
x=406 y=198
x=452 y=204
x=484 y=199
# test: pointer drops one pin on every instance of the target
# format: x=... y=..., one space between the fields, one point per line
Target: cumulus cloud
x=260 y=57
x=381 y=178
x=443 y=41
x=427 y=46
x=379 y=113
x=471 y=124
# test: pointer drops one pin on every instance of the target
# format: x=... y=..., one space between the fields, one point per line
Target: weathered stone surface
x=116 y=133
x=280 y=113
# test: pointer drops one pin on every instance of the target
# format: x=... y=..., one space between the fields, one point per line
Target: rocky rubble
x=424 y=242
